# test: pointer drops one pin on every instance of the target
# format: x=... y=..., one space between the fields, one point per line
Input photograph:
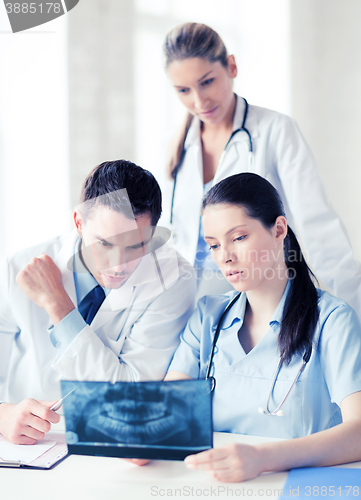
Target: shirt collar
x=83 y=279
x=237 y=311
x=277 y=315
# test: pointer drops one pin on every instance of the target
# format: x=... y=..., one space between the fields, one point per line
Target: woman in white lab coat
x=224 y=135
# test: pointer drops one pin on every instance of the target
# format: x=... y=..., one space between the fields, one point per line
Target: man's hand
x=231 y=463
x=42 y=282
x=26 y=422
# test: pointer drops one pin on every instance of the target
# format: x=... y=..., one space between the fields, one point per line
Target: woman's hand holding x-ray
x=231 y=463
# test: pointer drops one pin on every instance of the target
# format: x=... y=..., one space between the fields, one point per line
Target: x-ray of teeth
x=139 y=419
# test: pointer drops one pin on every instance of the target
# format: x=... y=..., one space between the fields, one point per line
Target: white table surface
x=92 y=478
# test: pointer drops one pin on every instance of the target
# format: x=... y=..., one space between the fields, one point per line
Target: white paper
x=23 y=453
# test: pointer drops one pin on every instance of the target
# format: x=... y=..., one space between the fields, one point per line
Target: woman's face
x=204 y=88
x=248 y=254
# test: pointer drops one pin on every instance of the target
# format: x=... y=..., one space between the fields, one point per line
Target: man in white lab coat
x=107 y=302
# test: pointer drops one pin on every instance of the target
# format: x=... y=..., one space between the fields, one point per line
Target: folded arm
x=150 y=335
x=41 y=281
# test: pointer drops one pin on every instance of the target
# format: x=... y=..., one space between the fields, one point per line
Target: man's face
x=112 y=245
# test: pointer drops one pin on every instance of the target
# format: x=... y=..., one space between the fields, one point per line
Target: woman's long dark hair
x=262 y=202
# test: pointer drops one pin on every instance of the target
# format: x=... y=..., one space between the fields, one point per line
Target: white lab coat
x=132 y=337
x=281 y=156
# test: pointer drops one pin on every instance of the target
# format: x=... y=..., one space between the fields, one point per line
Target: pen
x=58 y=404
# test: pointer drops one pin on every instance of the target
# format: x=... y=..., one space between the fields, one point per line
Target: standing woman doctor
x=224 y=135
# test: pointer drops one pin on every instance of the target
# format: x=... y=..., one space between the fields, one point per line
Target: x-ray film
x=155 y=420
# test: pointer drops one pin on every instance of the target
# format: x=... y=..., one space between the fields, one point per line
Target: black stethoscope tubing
x=242 y=128
x=216 y=335
x=305 y=359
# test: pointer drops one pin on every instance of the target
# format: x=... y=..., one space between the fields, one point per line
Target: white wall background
x=260 y=59
x=300 y=57
x=33 y=134
x=326 y=98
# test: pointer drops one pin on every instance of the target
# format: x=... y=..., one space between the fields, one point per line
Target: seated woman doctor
x=287 y=363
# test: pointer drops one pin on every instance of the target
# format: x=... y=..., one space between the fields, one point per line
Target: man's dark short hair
x=143 y=190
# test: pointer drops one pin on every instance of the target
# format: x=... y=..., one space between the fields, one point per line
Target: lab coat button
x=58 y=345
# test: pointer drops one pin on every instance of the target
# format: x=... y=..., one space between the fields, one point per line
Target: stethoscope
x=277 y=412
x=242 y=128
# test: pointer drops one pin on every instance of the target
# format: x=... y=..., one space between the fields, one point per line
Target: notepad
x=322 y=482
x=22 y=452
x=42 y=455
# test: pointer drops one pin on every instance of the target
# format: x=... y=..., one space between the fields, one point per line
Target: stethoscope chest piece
x=279 y=413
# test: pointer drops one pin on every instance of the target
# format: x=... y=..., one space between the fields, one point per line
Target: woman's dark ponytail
x=262 y=202
x=300 y=314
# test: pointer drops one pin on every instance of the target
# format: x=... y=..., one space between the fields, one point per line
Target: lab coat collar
x=194 y=136
x=128 y=294
x=144 y=273
x=64 y=261
x=251 y=121
x=84 y=280
x=144 y=283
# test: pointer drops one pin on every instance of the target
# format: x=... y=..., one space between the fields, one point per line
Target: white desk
x=101 y=478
